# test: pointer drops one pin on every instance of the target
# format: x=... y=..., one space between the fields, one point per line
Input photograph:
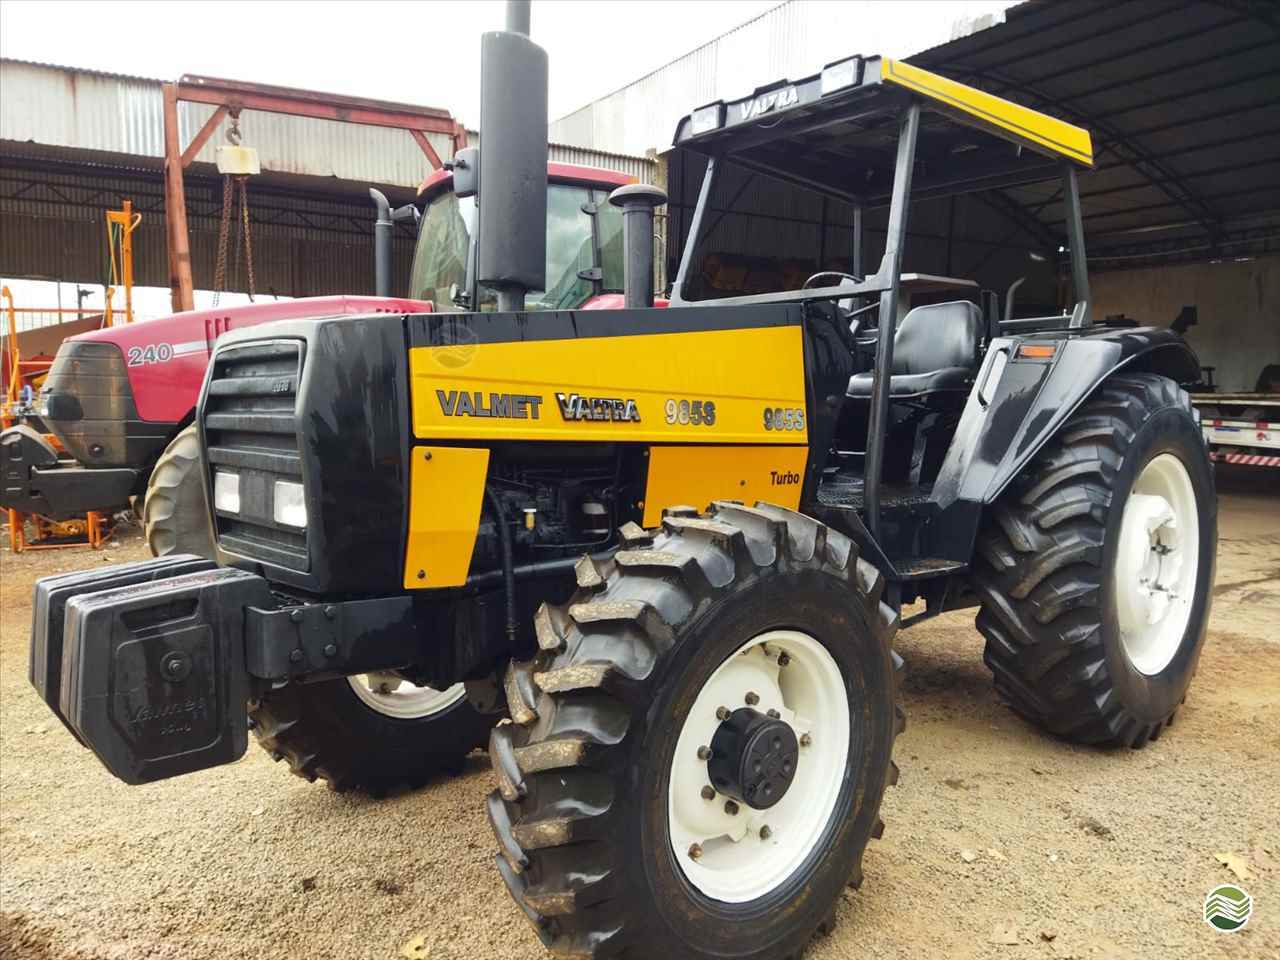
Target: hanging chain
x=248 y=236
x=224 y=230
x=224 y=227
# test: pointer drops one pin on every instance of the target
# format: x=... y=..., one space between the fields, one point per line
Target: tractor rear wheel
x=373 y=733
x=1095 y=567
x=175 y=513
x=701 y=744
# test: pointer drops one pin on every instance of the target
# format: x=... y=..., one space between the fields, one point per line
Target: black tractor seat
x=934 y=351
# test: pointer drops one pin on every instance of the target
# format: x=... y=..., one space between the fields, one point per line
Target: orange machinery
x=94 y=528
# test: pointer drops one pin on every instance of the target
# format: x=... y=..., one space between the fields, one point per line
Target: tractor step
x=924 y=568
x=847 y=491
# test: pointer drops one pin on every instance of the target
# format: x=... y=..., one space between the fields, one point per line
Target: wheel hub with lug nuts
x=753 y=758
x=392 y=696
x=1156 y=564
x=758 y=766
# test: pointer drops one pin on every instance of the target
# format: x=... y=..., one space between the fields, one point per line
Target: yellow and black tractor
x=655 y=558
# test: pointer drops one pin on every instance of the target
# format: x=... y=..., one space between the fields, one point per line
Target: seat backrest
x=936 y=336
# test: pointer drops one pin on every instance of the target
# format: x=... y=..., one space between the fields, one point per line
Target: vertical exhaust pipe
x=382 y=228
x=512 y=244
x=518 y=16
x=638 y=201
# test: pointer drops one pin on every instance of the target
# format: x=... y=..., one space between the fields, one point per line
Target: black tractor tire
x=583 y=770
x=324 y=731
x=175 y=513
x=1045 y=561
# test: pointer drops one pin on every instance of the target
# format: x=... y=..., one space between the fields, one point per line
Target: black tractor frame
x=860 y=121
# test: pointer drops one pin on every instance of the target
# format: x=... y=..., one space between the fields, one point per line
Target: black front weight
x=151 y=665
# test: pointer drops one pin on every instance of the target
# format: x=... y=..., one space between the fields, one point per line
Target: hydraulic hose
x=508 y=563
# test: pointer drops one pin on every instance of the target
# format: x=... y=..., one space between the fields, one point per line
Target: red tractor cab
x=584 y=244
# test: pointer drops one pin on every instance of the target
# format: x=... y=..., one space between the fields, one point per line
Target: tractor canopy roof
x=836 y=132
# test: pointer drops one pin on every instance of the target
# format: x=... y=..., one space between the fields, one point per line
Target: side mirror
x=466 y=172
x=407 y=212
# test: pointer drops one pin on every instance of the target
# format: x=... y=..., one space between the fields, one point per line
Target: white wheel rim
x=387 y=694
x=733 y=864
x=1157 y=560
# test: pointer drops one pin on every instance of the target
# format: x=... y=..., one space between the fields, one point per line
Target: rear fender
x=1006 y=423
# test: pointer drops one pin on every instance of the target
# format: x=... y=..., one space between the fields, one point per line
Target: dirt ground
x=1000 y=841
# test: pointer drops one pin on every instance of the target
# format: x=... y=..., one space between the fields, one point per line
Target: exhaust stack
x=512 y=243
x=638 y=201
x=382 y=228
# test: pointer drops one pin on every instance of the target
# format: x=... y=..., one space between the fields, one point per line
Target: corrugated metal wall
x=62 y=107
x=74 y=143
x=53 y=229
x=793 y=40
x=644 y=169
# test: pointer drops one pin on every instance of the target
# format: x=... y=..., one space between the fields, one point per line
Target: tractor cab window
x=444 y=244
x=765 y=235
x=440 y=259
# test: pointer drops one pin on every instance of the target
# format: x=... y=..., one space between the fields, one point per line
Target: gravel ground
x=1000 y=841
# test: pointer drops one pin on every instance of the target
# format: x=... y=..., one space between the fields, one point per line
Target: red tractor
x=121 y=400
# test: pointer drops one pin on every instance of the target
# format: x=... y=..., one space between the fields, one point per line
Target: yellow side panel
x=742 y=372
x=695 y=476
x=1026 y=124
x=446 y=485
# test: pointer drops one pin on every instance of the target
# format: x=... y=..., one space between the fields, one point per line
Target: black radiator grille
x=250 y=428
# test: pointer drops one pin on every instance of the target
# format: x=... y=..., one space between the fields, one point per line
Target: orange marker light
x=1037 y=351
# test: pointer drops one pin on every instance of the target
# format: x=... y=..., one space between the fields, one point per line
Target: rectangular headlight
x=837 y=76
x=226 y=491
x=290 y=507
x=705 y=119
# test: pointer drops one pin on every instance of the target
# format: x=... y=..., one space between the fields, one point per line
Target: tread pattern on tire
x=577 y=698
x=1039 y=570
x=320 y=747
x=173 y=511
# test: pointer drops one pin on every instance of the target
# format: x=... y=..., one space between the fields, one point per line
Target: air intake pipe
x=382 y=228
x=511 y=249
x=637 y=201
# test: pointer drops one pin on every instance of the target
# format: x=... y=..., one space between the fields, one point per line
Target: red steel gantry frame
x=232 y=96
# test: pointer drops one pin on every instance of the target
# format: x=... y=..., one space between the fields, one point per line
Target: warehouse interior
x=1181 y=209
x=74 y=143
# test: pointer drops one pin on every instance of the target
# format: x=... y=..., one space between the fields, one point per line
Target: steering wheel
x=830 y=273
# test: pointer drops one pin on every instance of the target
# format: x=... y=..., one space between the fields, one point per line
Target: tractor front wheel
x=374 y=732
x=700 y=748
x=1095 y=567
x=175 y=513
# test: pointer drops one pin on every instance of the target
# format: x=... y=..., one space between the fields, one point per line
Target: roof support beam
x=318 y=106
x=1148 y=165
x=181 y=292
x=1018 y=228
x=201 y=138
x=233 y=96
x=1015 y=213
x=1263 y=11
x=1253 y=191
x=424 y=144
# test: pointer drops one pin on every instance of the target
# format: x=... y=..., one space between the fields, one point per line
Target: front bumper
x=34 y=480
x=151 y=665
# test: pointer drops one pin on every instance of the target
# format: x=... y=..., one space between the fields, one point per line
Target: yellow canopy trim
x=1022 y=123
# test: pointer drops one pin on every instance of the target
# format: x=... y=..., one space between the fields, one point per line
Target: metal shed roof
x=1183 y=100
x=114 y=119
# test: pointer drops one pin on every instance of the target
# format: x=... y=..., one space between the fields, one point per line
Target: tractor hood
x=114 y=397
x=191 y=324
